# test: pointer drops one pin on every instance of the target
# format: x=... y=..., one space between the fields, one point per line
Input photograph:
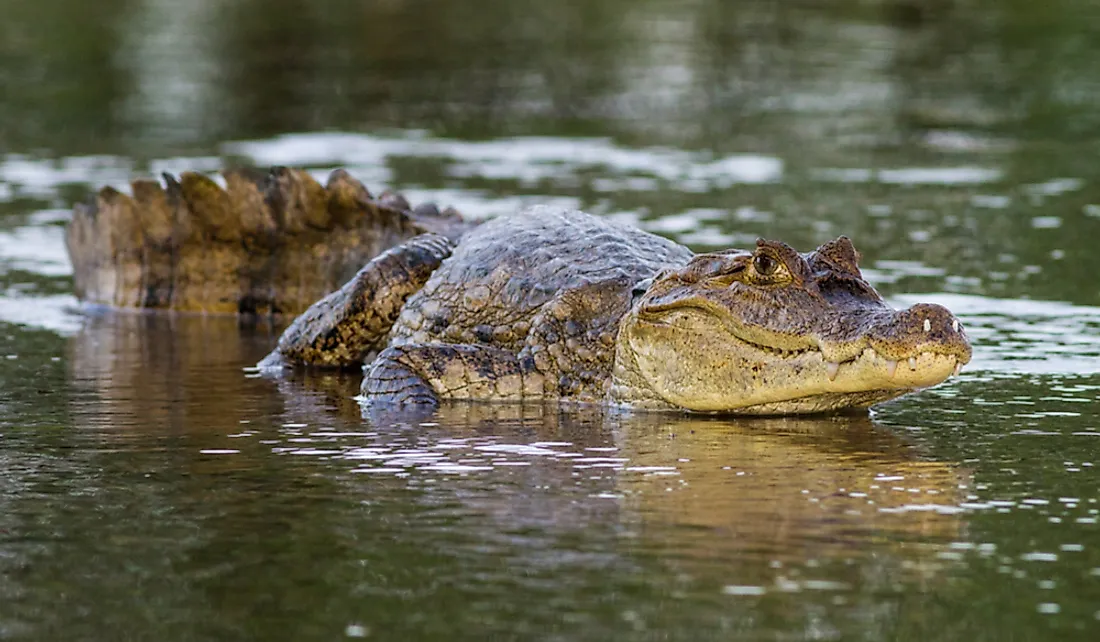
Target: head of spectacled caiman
x=774 y=331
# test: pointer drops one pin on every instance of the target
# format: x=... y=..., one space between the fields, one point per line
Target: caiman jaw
x=917 y=371
x=926 y=339
x=778 y=332
x=702 y=358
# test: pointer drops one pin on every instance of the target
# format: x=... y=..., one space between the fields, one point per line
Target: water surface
x=152 y=488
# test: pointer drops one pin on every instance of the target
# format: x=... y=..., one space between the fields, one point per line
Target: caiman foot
x=428 y=373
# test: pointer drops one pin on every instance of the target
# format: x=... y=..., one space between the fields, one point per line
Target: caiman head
x=777 y=332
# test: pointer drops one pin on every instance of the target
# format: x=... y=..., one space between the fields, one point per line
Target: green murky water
x=151 y=489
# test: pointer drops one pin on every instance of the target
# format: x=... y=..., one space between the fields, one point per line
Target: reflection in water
x=772 y=489
x=747 y=495
x=168 y=372
x=789 y=489
x=483 y=517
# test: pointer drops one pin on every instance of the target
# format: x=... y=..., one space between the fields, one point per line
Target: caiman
x=554 y=304
x=544 y=304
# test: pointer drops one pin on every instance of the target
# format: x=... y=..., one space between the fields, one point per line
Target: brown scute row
x=268 y=243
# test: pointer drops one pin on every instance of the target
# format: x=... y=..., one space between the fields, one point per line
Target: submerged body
x=557 y=304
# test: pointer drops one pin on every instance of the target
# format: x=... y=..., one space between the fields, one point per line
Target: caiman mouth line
x=832 y=367
x=925 y=359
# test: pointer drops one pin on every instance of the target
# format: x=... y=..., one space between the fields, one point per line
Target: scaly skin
x=552 y=304
x=343 y=328
x=267 y=244
x=548 y=287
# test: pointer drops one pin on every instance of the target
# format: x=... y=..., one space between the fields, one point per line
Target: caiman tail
x=267 y=243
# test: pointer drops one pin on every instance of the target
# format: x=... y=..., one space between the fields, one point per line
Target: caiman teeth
x=955 y=325
x=869 y=357
x=927 y=325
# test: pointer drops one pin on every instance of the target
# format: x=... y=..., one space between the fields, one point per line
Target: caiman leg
x=340 y=330
x=568 y=355
x=418 y=373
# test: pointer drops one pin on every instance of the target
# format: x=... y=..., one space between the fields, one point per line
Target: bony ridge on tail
x=554 y=304
x=263 y=243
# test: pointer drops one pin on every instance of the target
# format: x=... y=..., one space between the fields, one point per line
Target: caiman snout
x=913 y=348
x=918 y=333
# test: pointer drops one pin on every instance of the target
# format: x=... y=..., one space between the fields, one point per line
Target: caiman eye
x=764 y=264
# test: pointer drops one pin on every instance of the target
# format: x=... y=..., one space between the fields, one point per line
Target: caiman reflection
x=780 y=488
x=833 y=484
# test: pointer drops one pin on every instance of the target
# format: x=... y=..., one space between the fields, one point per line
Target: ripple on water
x=39 y=249
x=960 y=175
x=744 y=590
x=40 y=178
x=460 y=456
x=528 y=160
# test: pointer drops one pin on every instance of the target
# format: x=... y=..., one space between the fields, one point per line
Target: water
x=152 y=488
